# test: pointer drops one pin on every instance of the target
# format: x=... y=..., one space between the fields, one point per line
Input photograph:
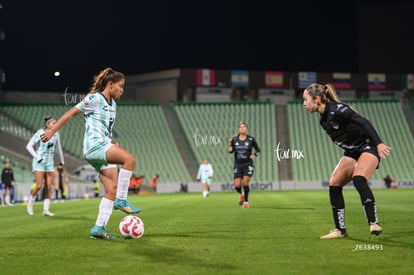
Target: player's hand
x=45 y=137
x=383 y=150
x=252 y=157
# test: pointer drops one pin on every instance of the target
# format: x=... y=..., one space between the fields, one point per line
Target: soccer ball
x=131 y=227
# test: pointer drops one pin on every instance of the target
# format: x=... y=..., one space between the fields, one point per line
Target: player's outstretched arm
x=62 y=121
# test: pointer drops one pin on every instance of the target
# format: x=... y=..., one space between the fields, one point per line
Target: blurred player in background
x=99 y=110
x=242 y=146
x=43 y=164
x=363 y=150
x=60 y=182
x=7 y=182
x=205 y=174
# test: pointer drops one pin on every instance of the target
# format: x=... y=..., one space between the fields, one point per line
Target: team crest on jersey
x=246 y=144
x=335 y=125
x=237 y=144
x=85 y=100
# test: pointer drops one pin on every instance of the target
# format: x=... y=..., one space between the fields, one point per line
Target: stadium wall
x=78 y=190
x=274 y=186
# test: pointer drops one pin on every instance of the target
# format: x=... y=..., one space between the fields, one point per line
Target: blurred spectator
x=7 y=179
x=97 y=188
x=387 y=181
x=184 y=188
x=153 y=183
x=135 y=184
x=60 y=181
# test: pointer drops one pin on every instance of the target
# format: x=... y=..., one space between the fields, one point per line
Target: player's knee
x=130 y=162
x=360 y=183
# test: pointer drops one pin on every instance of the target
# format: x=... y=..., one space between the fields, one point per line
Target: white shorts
x=44 y=166
x=206 y=180
x=97 y=158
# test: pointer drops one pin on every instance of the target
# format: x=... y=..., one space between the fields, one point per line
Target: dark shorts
x=367 y=148
x=8 y=185
x=242 y=170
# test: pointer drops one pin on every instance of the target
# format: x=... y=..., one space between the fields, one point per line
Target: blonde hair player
x=99 y=110
x=363 y=150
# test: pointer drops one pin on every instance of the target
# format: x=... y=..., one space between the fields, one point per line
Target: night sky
x=144 y=36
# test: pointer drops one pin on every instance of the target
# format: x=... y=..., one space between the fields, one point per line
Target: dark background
x=80 y=38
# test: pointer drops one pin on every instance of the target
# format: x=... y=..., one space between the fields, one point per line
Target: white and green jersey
x=99 y=119
x=44 y=150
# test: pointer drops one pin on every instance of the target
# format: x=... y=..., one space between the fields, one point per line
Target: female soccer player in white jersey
x=99 y=109
x=205 y=173
x=43 y=164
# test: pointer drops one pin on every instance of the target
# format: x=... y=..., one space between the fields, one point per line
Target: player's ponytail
x=325 y=92
x=103 y=78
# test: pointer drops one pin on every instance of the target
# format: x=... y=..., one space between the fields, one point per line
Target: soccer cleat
x=30 y=209
x=48 y=213
x=125 y=206
x=335 y=234
x=241 y=199
x=245 y=204
x=99 y=232
x=375 y=229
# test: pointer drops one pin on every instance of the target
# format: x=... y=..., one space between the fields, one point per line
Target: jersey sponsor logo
x=49 y=145
x=335 y=125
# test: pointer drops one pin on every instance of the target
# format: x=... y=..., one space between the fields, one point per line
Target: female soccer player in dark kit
x=242 y=145
x=363 y=151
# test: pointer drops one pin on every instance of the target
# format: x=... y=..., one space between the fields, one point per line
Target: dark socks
x=338 y=207
x=246 y=190
x=238 y=189
x=367 y=198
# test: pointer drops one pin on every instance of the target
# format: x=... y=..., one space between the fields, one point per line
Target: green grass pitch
x=187 y=234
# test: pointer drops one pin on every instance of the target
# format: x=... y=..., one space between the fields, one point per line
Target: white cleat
x=30 y=209
x=48 y=213
x=335 y=234
x=375 y=229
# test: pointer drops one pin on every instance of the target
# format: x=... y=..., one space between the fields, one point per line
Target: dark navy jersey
x=7 y=176
x=242 y=149
x=348 y=129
